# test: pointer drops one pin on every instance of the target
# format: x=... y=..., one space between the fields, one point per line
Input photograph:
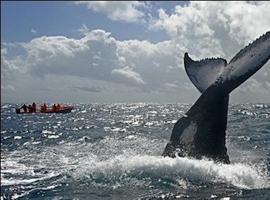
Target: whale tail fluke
x=216 y=71
x=202 y=131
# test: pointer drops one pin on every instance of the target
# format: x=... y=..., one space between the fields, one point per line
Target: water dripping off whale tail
x=202 y=131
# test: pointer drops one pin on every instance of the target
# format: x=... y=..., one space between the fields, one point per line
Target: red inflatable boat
x=62 y=109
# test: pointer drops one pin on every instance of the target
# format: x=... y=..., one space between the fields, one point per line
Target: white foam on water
x=47 y=132
x=53 y=136
x=17 y=196
x=15 y=173
x=18 y=181
x=17 y=137
x=240 y=175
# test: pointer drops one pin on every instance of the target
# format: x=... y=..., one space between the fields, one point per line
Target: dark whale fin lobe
x=245 y=63
x=202 y=131
x=203 y=73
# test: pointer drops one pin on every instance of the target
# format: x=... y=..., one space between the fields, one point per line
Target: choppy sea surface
x=113 y=151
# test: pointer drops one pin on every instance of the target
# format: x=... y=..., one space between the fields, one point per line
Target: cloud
x=9 y=73
x=78 y=57
x=127 y=74
x=139 y=68
x=216 y=28
x=89 y=89
x=83 y=29
x=99 y=56
x=33 y=31
x=157 y=63
x=254 y=90
x=128 y=11
x=9 y=69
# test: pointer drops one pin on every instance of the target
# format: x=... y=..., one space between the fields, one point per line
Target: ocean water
x=113 y=151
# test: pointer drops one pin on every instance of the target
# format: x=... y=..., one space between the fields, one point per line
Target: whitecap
x=75 y=129
x=6 y=106
x=131 y=137
x=106 y=129
x=20 y=181
x=36 y=142
x=240 y=175
x=149 y=124
x=17 y=137
x=53 y=136
x=47 y=132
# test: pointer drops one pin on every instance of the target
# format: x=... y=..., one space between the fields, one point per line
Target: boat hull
x=62 y=110
x=66 y=109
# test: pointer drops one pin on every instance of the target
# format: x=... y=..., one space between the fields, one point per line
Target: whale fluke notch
x=202 y=130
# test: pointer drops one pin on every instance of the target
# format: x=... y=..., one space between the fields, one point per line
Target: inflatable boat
x=63 y=109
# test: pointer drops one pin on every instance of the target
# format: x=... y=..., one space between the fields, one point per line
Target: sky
x=123 y=51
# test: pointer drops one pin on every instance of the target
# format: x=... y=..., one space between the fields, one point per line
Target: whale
x=201 y=132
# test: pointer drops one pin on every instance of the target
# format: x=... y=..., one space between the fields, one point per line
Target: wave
x=148 y=170
x=21 y=174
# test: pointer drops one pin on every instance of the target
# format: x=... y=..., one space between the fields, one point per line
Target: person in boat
x=58 y=107
x=18 y=110
x=34 y=107
x=54 y=108
x=43 y=108
x=24 y=107
x=30 y=109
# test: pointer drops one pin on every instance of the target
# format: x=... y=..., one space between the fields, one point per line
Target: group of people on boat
x=55 y=108
x=30 y=108
x=33 y=108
